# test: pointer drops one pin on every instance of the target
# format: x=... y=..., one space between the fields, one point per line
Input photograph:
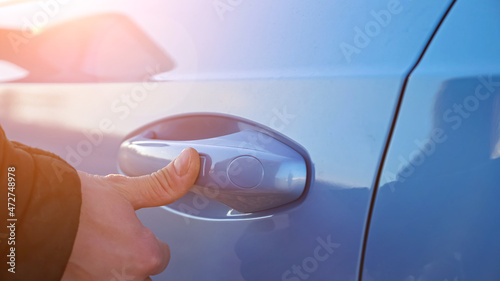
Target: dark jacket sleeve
x=38 y=229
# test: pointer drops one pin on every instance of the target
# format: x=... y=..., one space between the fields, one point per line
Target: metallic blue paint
x=342 y=119
x=436 y=213
x=328 y=75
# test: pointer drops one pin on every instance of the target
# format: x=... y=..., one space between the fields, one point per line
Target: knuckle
x=117 y=180
x=150 y=256
x=152 y=261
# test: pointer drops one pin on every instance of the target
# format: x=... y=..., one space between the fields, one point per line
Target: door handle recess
x=234 y=170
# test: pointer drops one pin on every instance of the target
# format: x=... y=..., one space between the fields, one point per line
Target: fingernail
x=181 y=163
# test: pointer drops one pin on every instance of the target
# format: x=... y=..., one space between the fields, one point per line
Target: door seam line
x=389 y=139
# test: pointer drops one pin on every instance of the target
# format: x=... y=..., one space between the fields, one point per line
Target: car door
x=325 y=76
x=435 y=215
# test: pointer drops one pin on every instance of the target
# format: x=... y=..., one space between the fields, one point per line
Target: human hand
x=111 y=243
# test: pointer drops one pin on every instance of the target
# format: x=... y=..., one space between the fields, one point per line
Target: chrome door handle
x=241 y=175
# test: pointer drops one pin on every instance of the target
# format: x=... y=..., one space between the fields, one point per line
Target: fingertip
x=181 y=163
x=194 y=163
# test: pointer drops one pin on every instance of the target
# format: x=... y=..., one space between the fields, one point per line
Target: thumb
x=163 y=186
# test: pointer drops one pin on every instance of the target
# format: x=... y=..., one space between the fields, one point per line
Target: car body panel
x=207 y=40
x=436 y=212
x=288 y=71
x=335 y=207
